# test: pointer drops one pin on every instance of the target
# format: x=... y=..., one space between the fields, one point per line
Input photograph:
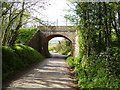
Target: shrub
x=25 y=34
x=98 y=71
x=70 y=61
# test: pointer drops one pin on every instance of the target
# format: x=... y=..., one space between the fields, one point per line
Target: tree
x=14 y=16
x=11 y=21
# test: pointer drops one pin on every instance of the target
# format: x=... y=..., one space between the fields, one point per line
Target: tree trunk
x=106 y=26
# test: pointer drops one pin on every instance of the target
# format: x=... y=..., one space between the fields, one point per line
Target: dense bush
x=16 y=58
x=96 y=71
x=70 y=61
x=98 y=63
x=25 y=34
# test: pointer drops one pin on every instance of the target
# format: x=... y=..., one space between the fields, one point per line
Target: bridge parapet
x=57 y=28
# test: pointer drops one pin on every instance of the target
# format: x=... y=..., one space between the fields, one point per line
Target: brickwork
x=40 y=39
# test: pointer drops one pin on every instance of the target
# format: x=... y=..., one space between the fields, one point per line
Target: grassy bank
x=16 y=58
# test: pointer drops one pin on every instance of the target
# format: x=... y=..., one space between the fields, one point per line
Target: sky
x=56 y=11
x=58 y=38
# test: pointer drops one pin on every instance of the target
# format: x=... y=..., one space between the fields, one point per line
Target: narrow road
x=50 y=73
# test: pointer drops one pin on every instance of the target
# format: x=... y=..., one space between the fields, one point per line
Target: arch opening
x=59 y=44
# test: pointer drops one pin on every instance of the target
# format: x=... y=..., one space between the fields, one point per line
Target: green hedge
x=16 y=58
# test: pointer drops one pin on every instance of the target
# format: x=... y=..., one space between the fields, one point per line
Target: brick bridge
x=40 y=39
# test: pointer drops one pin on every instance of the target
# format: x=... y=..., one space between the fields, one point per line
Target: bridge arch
x=49 y=37
x=40 y=39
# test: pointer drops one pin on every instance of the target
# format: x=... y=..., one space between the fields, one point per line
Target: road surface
x=51 y=73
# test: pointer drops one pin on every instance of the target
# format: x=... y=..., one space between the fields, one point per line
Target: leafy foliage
x=16 y=58
x=98 y=63
x=63 y=47
x=15 y=15
x=95 y=72
x=24 y=35
x=70 y=61
x=12 y=15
